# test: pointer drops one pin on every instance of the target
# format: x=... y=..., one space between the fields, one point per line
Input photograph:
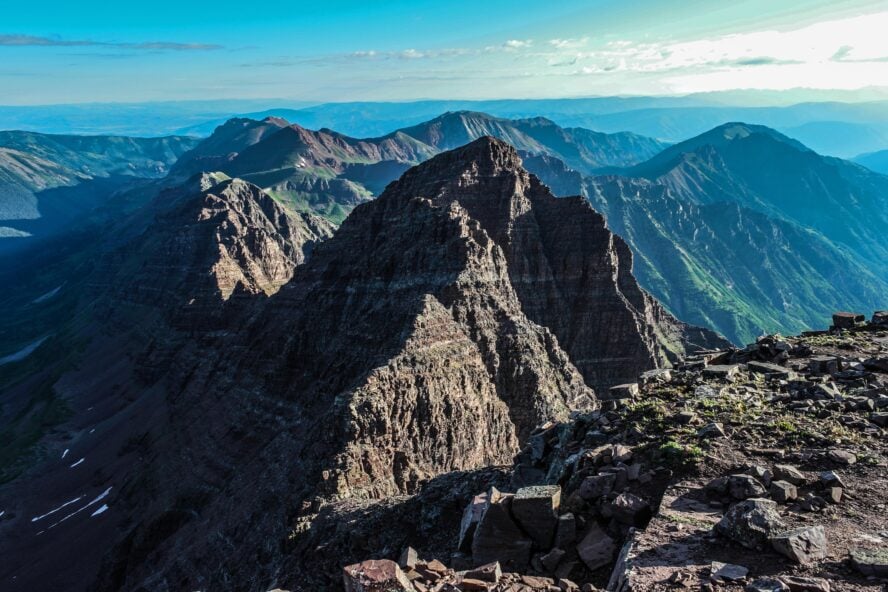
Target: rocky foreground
x=760 y=469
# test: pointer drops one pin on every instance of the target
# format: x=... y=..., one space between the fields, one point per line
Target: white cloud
x=568 y=43
x=518 y=43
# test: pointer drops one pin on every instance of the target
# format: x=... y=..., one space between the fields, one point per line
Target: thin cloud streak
x=9 y=40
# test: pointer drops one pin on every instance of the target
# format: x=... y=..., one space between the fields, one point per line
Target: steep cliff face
x=210 y=238
x=570 y=272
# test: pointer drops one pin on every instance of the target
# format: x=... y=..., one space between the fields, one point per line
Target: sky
x=59 y=51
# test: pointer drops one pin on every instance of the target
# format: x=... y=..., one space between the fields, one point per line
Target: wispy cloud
x=518 y=43
x=9 y=40
x=569 y=43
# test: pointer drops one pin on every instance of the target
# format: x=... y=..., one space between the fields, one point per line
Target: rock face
x=211 y=238
x=659 y=507
x=570 y=273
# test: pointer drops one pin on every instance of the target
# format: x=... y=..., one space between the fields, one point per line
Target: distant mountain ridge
x=329 y=173
x=842 y=129
x=697 y=281
x=763 y=170
x=745 y=230
x=875 y=161
x=48 y=181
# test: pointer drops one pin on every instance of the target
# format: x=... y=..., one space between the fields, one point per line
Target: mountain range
x=227 y=368
x=48 y=182
x=833 y=123
x=699 y=258
x=720 y=244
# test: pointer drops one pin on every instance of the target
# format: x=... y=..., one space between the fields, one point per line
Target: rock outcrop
x=654 y=504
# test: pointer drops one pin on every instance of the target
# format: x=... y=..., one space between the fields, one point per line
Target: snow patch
x=46 y=296
x=99 y=511
x=73 y=501
x=78 y=462
x=24 y=352
x=99 y=498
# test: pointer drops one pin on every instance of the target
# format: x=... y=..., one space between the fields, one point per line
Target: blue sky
x=86 y=51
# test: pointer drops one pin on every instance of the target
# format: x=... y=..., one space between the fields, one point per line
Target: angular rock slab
x=751 y=523
x=536 y=511
x=375 y=575
x=597 y=549
x=871 y=562
x=498 y=538
x=802 y=545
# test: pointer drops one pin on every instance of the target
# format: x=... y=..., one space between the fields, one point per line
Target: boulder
x=659 y=376
x=831 y=478
x=880 y=318
x=812 y=502
x=761 y=473
x=535 y=509
x=721 y=371
x=879 y=364
x=622 y=391
x=727 y=572
x=631 y=510
x=783 y=491
x=712 y=430
x=375 y=575
x=834 y=494
x=770 y=370
x=802 y=545
x=620 y=453
x=802 y=584
x=492 y=572
x=744 y=487
x=566 y=531
x=498 y=538
x=842 y=457
x=823 y=365
x=751 y=523
x=871 y=562
x=789 y=473
x=470 y=518
x=847 y=320
x=597 y=549
x=408 y=559
x=551 y=559
x=596 y=486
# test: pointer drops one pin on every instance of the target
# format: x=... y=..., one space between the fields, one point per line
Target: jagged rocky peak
x=571 y=274
x=215 y=235
x=436 y=364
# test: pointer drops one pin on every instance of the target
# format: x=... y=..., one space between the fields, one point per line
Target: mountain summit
x=431 y=333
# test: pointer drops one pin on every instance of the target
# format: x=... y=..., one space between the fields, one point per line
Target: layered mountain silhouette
x=875 y=161
x=797 y=242
x=745 y=230
x=329 y=173
x=237 y=371
x=48 y=181
x=765 y=171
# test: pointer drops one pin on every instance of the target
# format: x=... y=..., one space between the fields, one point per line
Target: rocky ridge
x=754 y=469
